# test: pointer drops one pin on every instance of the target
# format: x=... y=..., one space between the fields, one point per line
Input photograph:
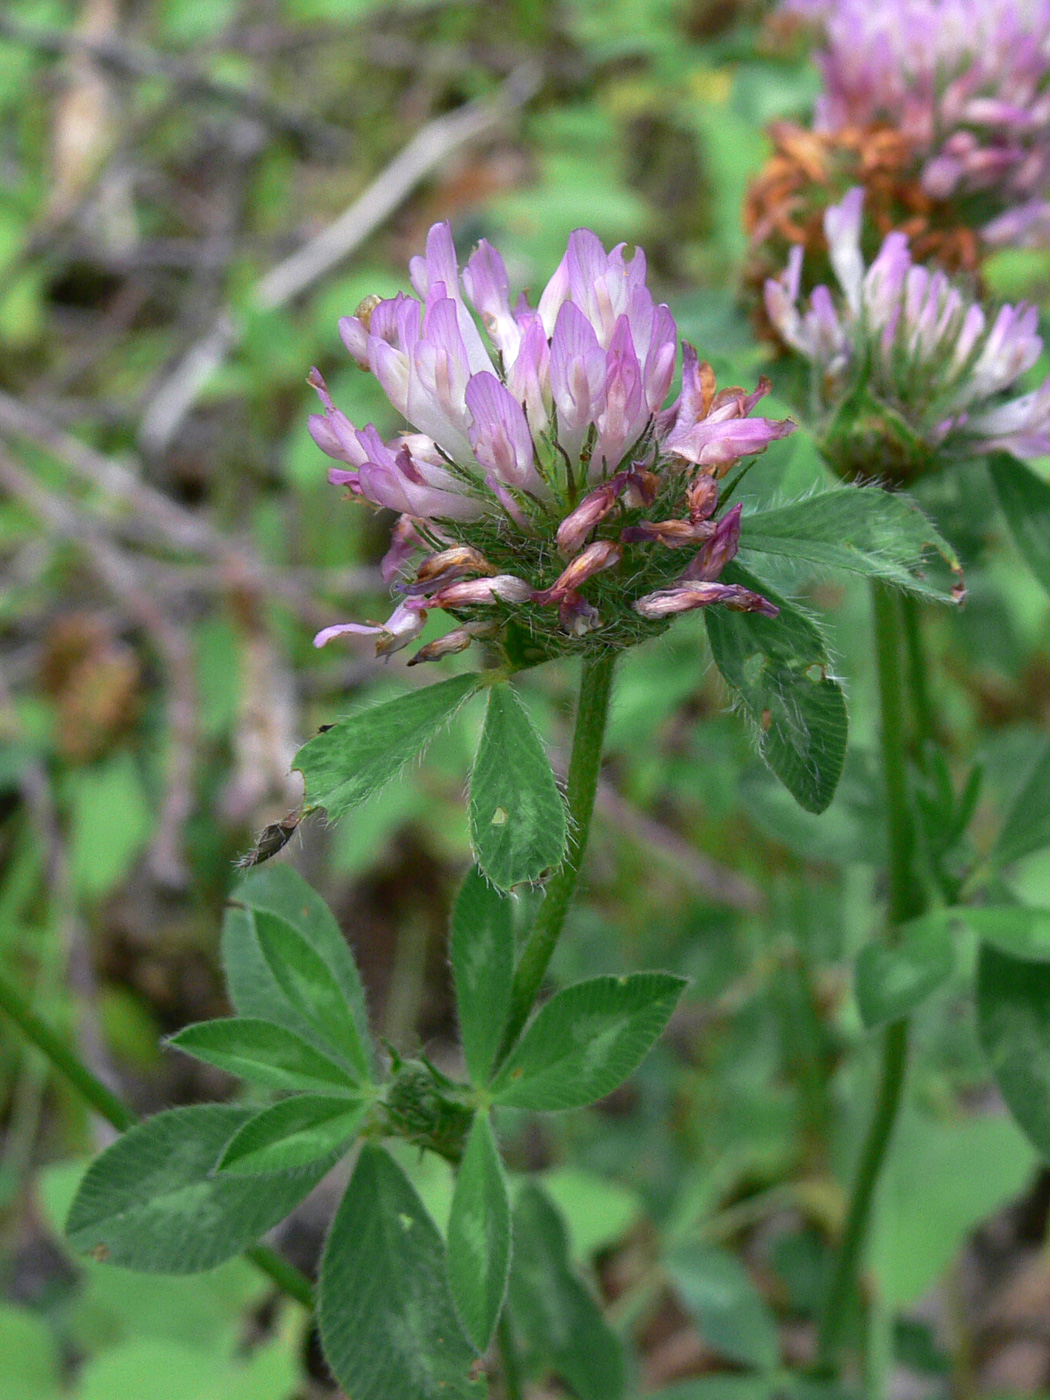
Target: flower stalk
x=906 y=901
x=584 y=768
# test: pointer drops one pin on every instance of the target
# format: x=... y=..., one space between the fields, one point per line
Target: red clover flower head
x=544 y=481
x=906 y=369
x=965 y=82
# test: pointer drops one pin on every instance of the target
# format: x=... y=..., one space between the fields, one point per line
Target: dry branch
x=430 y=146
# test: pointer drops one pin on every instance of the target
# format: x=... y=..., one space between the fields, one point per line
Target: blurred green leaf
x=359 y=844
x=597 y=1211
x=943 y=1179
x=517 y=816
x=218 y=675
x=892 y=980
x=559 y=1320
x=152 y=1369
x=188 y=22
x=1024 y=499
x=29 y=1368
x=1013 y=1014
x=130 y=1029
x=22 y=318
x=383 y=1276
x=1012 y=929
x=848 y=831
x=732 y=150
x=585 y=1041
x=1026 y=827
x=111 y=824
x=731 y=1314
x=160 y=1369
x=724 y=1388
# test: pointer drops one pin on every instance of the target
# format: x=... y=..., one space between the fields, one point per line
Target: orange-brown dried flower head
x=809 y=171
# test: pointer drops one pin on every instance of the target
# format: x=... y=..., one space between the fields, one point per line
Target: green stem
x=581 y=789
x=905 y=895
x=905 y=902
x=90 y=1088
x=918 y=678
x=285 y=1275
x=87 y=1085
x=842 y=1287
x=508 y=1355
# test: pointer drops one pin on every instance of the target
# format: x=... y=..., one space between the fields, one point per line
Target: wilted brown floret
x=811 y=170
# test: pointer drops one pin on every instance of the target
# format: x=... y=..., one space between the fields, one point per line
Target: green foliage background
x=153 y=694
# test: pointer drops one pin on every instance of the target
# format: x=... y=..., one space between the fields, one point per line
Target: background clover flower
x=906 y=368
x=965 y=84
x=544 y=471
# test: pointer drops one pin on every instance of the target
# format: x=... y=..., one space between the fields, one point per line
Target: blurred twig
x=137 y=61
x=233 y=563
x=434 y=143
x=177 y=527
x=120 y=575
x=721 y=884
x=75 y=958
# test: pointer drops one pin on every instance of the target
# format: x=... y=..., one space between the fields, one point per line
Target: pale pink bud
x=599 y=555
x=593 y=509
x=667 y=602
x=719 y=549
x=458 y=559
x=505 y=588
x=675 y=534
x=453 y=642
x=702 y=495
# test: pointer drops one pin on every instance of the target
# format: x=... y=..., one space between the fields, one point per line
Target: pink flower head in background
x=966 y=82
x=919 y=350
x=541 y=453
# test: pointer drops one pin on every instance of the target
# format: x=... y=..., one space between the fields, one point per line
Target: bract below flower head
x=907 y=370
x=966 y=84
x=546 y=481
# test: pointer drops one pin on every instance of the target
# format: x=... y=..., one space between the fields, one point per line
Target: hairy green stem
x=581 y=788
x=508 y=1355
x=905 y=894
x=905 y=902
x=106 y=1104
x=925 y=715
